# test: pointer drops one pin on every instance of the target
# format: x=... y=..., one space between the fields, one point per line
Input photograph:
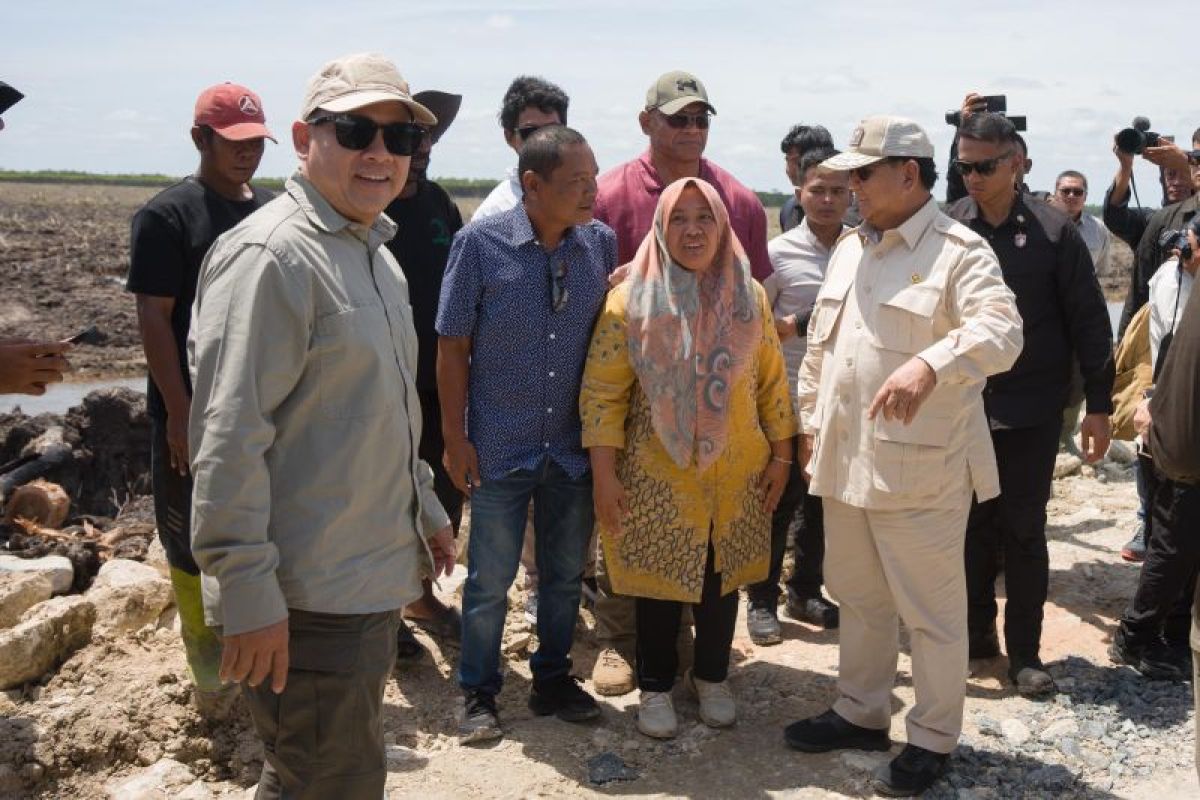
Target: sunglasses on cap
x=355 y=132
x=681 y=121
x=985 y=167
x=1072 y=191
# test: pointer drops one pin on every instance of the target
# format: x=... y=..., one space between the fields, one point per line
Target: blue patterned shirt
x=526 y=359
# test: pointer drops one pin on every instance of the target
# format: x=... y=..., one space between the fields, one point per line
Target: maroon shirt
x=628 y=194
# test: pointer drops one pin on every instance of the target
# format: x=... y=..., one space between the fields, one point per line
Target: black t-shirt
x=427 y=223
x=169 y=238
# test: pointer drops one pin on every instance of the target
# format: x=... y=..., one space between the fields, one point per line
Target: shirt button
x=551 y=373
x=858 y=326
x=549 y=410
x=849 y=362
x=552 y=336
x=546 y=445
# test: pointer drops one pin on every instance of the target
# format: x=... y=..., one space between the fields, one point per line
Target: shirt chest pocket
x=904 y=321
x=356 y=362
x=824 y=319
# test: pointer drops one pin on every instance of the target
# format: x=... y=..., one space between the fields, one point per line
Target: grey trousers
x=323 y=736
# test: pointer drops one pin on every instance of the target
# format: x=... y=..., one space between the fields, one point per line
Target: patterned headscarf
x=691 y=334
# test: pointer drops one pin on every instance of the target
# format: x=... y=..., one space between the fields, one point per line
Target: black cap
x=9 y=97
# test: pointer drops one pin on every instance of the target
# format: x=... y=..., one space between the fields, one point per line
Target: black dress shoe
x=911 y=772
x=562 y=697
x=813 y=610
x=829 y=731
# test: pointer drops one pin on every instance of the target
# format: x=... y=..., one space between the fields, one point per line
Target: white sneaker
x=656 y=715
x=717 y=707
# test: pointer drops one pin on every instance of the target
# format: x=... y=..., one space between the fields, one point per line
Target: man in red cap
x=171 y=235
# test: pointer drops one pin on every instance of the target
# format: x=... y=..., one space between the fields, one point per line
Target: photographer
x=1150 y=638
x=1176 y=177
x=1149 y=254
x=975 y=103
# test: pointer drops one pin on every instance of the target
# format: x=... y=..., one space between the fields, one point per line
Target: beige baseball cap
x=676 y=90
x=358 y=80
x=880 y=137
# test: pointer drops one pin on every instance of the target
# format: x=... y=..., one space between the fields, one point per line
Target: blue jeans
x=562 y=521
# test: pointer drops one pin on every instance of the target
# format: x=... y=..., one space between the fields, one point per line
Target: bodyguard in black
x=1047 y=266
x=428 y=219
x=170 y=236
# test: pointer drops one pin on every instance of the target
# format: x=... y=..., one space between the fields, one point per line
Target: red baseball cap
x=233 y=111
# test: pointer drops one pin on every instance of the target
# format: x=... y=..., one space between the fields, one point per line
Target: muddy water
x=61 y=396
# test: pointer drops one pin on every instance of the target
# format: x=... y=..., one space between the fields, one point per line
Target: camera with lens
x=994 y=104
x=1177 y=240
x=1135 y=139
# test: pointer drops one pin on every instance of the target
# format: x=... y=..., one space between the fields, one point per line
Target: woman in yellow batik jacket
x=688 y=422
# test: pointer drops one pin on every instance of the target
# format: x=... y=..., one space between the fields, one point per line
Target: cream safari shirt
x=930 y=288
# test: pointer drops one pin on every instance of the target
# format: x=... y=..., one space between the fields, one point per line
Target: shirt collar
x=971 y=210
x=910 y=231
x=807 y=233
x=652 y=181
x=521 y=228
x=325 y=217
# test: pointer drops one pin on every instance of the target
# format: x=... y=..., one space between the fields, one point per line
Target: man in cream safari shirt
x=912 y=318
x=311 y=506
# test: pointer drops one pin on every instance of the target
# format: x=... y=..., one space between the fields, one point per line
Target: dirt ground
x=121 y=704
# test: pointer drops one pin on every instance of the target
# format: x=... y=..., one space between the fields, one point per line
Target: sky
x=110 y=87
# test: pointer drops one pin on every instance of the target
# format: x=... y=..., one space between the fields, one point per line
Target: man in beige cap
x=312 y=510
x=911 y=319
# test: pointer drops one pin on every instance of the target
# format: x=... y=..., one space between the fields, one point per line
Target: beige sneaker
x=656 y=715
x=613 y=674
x=717 y=708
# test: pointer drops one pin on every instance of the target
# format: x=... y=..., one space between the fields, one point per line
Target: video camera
x=1137 y=138
x=1177 y=239
x=996 y=104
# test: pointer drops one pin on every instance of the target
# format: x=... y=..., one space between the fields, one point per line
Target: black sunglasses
x=525 y=131
x=355 y=132
x=985 y=167
x=1072 y=191
x=559 y=294
x=681 y=121
x=863 y=174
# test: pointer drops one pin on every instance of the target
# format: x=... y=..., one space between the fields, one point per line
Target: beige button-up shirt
x=930 y=288
x=304 y=428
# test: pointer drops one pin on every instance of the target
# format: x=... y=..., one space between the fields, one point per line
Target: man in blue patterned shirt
x=521 y=293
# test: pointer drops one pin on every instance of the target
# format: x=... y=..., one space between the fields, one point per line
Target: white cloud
x=500 y=22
